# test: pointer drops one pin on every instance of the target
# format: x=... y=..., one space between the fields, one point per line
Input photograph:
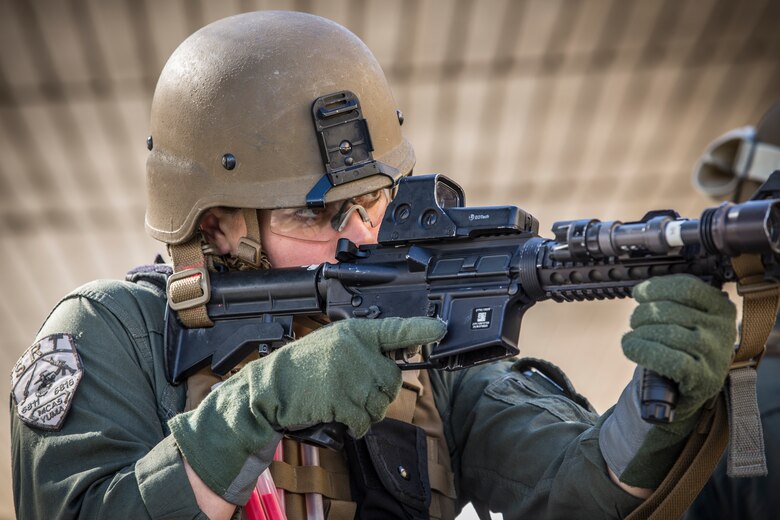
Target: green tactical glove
x=338 y=373
x=683 y=329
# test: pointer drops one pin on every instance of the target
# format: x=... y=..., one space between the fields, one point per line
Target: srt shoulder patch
x=44 y=380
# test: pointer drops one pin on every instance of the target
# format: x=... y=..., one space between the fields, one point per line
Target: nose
x=358 y=231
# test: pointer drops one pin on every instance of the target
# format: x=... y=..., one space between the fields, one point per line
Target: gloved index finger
x=398 y=333
x=686 y=290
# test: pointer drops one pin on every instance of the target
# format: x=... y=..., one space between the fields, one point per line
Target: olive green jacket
x=518 y=446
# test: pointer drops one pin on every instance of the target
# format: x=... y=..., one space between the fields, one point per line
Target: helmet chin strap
x=189 y=288
x=250 y=250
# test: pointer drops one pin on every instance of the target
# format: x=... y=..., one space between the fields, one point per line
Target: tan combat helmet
x=263 y=110
x=735 y=164
x=268 y=110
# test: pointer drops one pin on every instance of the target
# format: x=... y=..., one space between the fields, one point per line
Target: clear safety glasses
x=325 y=224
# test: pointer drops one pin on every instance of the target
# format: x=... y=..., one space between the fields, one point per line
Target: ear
x=214 y=224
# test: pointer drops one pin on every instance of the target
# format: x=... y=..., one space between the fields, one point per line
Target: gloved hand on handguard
x=683 y=329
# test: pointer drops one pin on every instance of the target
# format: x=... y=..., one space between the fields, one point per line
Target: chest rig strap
x=311 y=479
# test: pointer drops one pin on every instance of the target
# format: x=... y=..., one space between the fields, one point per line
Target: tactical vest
x=400 y=469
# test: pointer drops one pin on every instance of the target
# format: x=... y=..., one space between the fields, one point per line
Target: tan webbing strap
x=402 y=408
x=249 y=247
x=340 y=509
x=746 y=457
x=252 y=223
x=329 y=479
x=691 y=470
x=310 y=479
x=188 y=287
x=439 y=476
x=294 y=503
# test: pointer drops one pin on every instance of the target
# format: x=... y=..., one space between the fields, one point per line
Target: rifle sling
x=692 y=468
x=746 y=456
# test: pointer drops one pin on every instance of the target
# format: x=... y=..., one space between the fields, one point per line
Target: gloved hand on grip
x=683 y=329
x=338 y=373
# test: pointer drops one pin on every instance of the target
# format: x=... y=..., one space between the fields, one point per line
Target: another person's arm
x=521 y=447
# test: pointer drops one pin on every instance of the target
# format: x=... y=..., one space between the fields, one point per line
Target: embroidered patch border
x=44 y=381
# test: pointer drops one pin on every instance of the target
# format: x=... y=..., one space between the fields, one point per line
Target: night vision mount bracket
x=345 y=145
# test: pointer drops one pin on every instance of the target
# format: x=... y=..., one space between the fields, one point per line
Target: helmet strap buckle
x=250 y=251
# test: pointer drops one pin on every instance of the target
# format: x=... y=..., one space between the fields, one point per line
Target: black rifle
x=478 y=269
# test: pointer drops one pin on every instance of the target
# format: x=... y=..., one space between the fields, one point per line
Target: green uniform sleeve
x=522 y=448
x=112 y=457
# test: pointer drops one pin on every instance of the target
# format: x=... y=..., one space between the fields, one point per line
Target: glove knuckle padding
x=683 y=329
x=663 y=312
x=645 y=350
x=686 y=290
